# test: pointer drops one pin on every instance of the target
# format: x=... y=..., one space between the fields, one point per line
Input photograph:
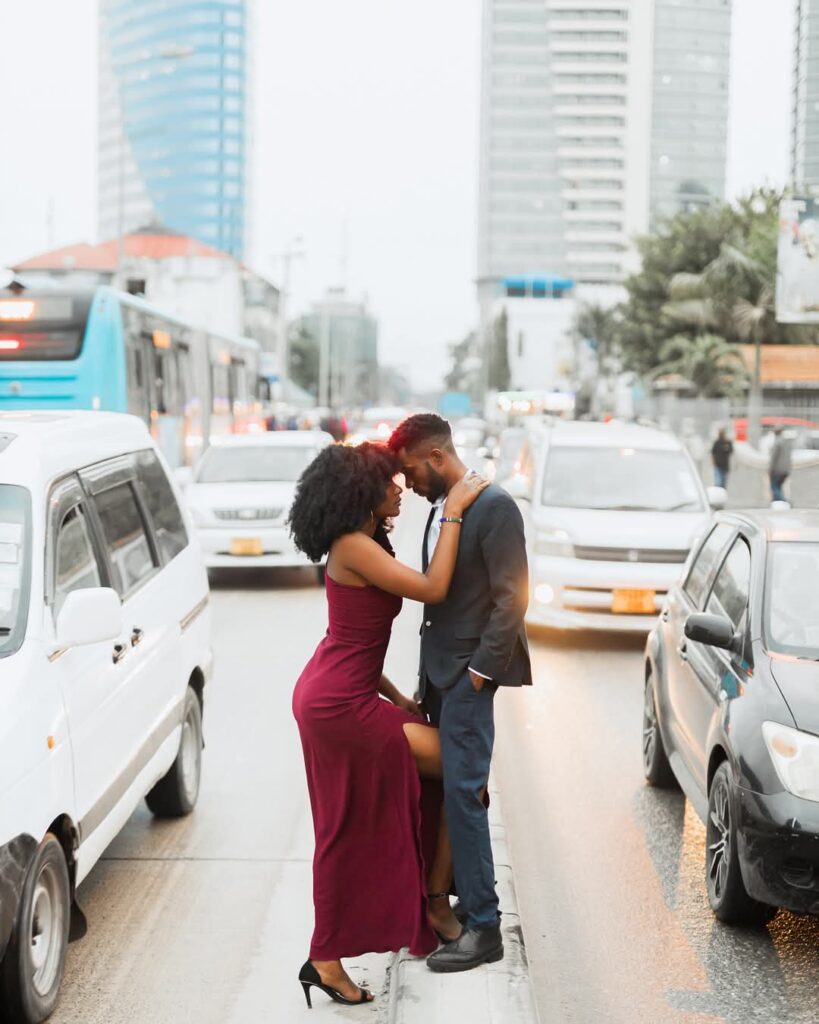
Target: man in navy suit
x=471 y=644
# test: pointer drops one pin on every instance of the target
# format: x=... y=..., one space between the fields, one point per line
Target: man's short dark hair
x=423 y=428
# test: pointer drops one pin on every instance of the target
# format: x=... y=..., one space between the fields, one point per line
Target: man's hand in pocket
x=477 y=681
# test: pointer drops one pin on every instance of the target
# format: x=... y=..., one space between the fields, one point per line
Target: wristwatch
x=451 y=519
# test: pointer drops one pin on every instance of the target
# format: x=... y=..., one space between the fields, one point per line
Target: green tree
x=304 y=358
x=499 y=373
x=465 y=371
x=707 y=363
x=705 y=271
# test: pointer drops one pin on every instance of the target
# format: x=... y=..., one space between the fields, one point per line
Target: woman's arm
x=394 y=695
x=363 y=556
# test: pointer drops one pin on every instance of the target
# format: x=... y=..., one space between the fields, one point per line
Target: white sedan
x=240 y=495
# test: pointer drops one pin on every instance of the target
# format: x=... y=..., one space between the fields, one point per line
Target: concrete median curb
x=490 y=994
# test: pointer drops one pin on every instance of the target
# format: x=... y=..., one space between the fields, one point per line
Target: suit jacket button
x=427 y=623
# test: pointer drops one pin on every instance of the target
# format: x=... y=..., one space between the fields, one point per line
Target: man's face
x=422 y=469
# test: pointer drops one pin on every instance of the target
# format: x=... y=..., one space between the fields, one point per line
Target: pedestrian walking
x=373 y=765
x=472 y=644
x=721 y=453
x=779 y=468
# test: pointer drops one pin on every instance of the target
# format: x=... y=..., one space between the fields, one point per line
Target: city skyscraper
x=173 y=118
x=598 y=118
x=805 y=114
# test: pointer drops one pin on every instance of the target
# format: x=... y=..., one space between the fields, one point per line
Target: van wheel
x=32 y=969
x=176 y=792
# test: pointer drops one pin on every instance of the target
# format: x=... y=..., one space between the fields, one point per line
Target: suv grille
x=673 y=556
x=247 y=515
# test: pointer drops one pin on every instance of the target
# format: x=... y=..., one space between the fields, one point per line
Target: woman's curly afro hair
x=337 y=493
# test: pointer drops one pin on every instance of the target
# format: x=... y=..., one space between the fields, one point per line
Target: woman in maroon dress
x=373 y=765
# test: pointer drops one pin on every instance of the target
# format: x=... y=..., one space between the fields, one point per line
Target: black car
x=731 y=709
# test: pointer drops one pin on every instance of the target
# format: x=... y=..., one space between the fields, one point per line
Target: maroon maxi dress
x=375 y=822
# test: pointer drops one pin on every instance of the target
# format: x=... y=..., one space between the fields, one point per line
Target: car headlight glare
x=795 y=757
x=544 y=593
x=554 y=542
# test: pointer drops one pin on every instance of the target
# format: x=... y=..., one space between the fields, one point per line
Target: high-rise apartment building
x=598 y=117
x=173 y=118
x=805 y=115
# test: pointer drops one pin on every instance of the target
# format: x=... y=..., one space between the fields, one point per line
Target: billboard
x=797 y=262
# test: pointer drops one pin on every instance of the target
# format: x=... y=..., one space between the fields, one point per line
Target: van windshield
x=15 y=565
x=627 y=479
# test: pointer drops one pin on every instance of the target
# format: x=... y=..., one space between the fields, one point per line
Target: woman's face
x=390 y=507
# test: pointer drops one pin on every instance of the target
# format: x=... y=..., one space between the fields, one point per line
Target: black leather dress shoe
x=476 y=946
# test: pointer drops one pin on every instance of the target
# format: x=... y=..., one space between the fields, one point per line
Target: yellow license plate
x=633 y=602
x=246 y=546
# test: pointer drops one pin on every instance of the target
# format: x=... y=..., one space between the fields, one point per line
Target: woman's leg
x=426 y=750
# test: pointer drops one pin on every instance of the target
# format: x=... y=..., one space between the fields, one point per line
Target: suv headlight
x=795 y=757
x=554 y=542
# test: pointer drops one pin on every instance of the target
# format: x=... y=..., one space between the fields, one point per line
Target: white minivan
x=611 y=511
x=104 y=656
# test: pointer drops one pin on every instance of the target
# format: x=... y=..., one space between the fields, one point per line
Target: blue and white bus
x=104 y=349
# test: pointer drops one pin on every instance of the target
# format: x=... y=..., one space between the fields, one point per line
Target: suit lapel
x=424 y=549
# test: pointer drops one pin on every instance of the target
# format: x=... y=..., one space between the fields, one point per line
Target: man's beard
x=436 y=483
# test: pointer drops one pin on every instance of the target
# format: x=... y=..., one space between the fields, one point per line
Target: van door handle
x=136 y=636
x=120 y=650
x=682 y=650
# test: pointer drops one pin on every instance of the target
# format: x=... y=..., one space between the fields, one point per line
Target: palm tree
x=734 y=294
x=708 y=363
x=599 y=325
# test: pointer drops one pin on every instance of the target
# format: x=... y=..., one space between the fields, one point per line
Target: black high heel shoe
x=308 y=976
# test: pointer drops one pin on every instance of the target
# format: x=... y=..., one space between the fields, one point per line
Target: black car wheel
x=32 y=967
x=176 y=793
x=656 y=768
x=726 y=891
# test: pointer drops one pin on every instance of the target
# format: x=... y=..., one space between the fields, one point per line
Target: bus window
x=136 y=365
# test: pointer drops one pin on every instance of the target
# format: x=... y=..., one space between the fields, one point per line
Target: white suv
x=611 y=510
x=104 y=655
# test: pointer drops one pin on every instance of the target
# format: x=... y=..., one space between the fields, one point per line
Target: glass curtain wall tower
x=598 y=117
x=173 y=118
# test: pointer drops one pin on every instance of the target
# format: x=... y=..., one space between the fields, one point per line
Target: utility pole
x=324 y=357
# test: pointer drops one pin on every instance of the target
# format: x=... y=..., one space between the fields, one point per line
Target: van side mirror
x=89 y=616
x=714 y=630
x=717 y=498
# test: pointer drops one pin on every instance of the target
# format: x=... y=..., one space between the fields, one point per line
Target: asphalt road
x=208 y=919
x=610 y=873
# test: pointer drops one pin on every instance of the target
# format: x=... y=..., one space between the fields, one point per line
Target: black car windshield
x=639 y=479
x=792 y=599
x=252 y=463
x=15 y=565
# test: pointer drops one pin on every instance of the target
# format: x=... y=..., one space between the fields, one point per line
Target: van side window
x=698 y=577
x=75 y=564
x=125 y=537
x=169 y=527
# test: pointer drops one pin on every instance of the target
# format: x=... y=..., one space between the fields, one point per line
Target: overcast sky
x=366 y=117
